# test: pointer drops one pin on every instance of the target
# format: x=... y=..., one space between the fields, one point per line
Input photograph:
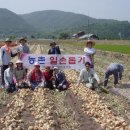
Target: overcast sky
x=109 y=9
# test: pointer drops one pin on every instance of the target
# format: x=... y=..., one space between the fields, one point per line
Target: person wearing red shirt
x=47 y=73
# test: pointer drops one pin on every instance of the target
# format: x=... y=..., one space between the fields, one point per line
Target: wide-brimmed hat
x=8 y=40
x=23 y=38
x=91 y=41
x=19 y=62
x=52 y=43
x=36 y=64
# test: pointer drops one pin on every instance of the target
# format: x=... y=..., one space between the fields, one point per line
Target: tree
x=63 y=36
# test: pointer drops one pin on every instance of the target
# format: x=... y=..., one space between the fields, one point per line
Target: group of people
x=14 y=78
x=17 y=77
x=90 y=78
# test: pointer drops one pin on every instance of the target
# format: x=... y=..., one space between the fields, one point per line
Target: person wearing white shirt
x=89 y=52
x=9 y=78
x=89 y=77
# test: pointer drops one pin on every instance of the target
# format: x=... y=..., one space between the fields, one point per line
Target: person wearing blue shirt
x=116 y=70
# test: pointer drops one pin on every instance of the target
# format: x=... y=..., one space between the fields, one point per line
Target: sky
x=106 y=9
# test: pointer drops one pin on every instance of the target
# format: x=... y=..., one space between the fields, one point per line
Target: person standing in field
x=116 y=70
x=89 y=52
x=6 y=54
x=89 y=77
x=54 y=49
x=23 y=47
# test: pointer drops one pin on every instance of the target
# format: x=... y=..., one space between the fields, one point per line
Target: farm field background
x=121 y=46
x=75 y=109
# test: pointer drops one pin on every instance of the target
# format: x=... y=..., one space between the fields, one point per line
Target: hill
x=12 y=24
x=51 y=23
x=54 y=22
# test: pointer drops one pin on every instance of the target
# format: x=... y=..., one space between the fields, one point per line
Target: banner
x=61 y=61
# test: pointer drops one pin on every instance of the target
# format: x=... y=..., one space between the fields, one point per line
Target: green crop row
x=114 y=48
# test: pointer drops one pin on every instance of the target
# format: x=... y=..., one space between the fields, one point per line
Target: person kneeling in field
x=20 y=75
x=60 y=82
x=47 y=73
x=35 y=77
x=116 y=70
x=89 y=77
x=9 y=78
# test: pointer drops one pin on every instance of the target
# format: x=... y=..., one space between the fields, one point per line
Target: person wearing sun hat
x=54 y=48
x=89 y=52
x=5 y=56
x=35 y=77
x=20 y=75
x=23 y=47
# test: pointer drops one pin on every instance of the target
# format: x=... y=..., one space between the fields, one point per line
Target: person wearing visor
x=35 y=77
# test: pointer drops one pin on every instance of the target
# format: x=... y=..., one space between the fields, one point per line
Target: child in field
x=89 y=52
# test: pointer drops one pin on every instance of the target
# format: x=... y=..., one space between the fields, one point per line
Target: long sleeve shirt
x=8 y=76
x=6 y=57
x=85 y=75
x=34 y=77
x=20 y=74
x=115 y=67
x=23 y=48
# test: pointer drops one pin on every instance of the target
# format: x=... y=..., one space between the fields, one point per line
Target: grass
x=114 y=48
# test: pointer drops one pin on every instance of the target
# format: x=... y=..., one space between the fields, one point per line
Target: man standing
x=88 y=76
x=54 y=49
x=6 y=54
x=116 y=70
x=23 y=47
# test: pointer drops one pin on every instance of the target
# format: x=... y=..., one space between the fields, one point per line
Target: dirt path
x=26 y=116
x=86 y=123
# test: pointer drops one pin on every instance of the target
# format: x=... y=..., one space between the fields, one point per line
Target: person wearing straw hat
x=35 y=77
x=23 y=47
x=20 y=75
x=6 y=55
x=54 y=48
x=89 y=52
